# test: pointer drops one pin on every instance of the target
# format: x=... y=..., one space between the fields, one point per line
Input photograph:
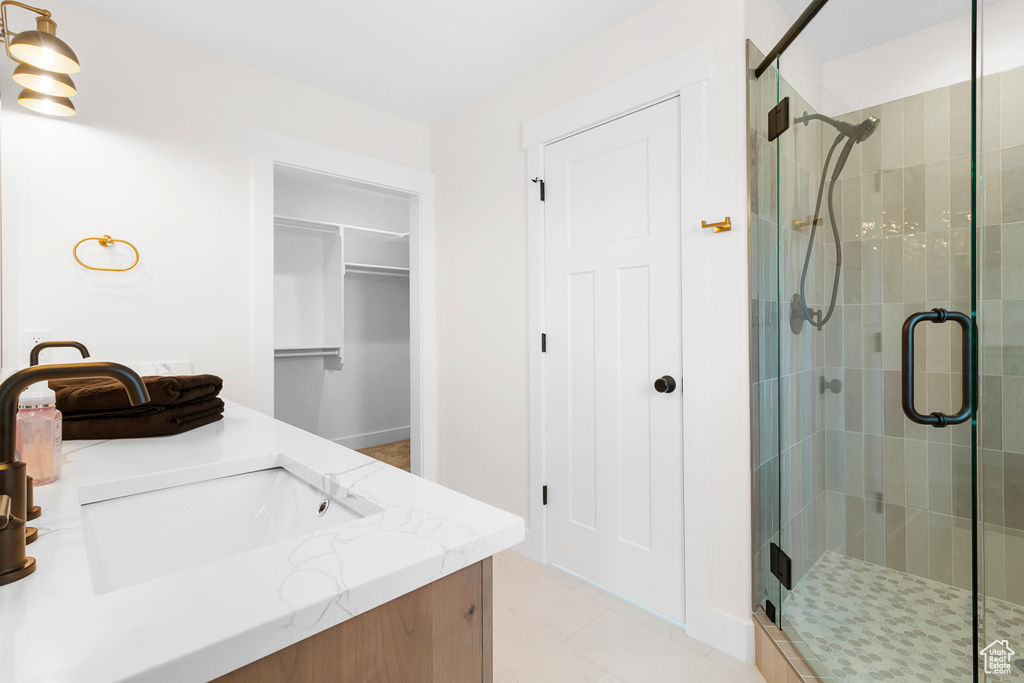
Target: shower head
x=858 y=132
x=866 y=128
x=854 y=133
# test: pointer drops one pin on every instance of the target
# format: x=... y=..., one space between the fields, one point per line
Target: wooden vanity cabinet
x=440 y=633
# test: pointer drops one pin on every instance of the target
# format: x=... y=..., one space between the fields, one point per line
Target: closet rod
x=374 y=268
x=301 y=353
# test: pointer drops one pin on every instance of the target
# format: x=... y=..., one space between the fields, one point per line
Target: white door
x=613 y=322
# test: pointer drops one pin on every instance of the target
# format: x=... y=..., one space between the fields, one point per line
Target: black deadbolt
x=665 y=385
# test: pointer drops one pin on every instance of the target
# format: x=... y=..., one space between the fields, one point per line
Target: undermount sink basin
x=140 y=537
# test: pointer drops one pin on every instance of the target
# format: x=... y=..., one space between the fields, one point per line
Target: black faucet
x=33 y=356
x=14 y=565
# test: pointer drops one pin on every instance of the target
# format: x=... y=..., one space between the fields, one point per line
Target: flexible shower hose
x=807 y=313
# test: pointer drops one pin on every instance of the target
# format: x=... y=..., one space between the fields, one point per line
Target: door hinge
x=538 y=180
x=769 y=610
x=543 y=343
x=544 y=495
x=781 y=567
x=778 y=119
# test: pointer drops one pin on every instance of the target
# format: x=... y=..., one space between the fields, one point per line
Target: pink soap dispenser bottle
x=38 y=438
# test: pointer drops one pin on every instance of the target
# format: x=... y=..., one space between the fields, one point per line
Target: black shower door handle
x=938 y=315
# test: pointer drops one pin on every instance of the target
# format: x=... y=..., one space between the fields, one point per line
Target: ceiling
x=420 y=59
x=844 y=27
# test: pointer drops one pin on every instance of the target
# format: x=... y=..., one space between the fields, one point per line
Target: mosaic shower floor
x=870 y=623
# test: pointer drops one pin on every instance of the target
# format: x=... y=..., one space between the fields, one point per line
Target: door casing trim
x=267 y=149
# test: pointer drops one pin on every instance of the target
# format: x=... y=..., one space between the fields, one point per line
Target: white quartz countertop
x=203 y=622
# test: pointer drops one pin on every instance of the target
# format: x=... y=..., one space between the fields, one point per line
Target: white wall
x=934 y=57
x=481 y=186
x=370 y=394
x=373 y=394
x=157 y=156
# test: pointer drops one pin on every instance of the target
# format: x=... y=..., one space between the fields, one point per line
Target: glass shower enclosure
x=887 y=302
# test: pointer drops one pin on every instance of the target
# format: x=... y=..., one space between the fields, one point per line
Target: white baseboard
x=374 y=438
x=730 y=635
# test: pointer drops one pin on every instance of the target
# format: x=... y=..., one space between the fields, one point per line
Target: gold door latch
x=719 y=227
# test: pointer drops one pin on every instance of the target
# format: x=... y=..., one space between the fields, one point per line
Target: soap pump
x=39 y=433
x=39 y=422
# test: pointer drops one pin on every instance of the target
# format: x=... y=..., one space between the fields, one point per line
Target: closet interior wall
x=365 y=312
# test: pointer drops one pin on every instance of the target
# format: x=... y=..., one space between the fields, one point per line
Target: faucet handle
x=5 y=511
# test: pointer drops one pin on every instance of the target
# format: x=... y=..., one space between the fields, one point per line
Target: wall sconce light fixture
x=44 y=62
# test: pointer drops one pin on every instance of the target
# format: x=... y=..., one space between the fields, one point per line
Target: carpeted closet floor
x=395 y=454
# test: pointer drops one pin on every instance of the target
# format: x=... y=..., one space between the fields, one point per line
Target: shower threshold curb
x=777 y=658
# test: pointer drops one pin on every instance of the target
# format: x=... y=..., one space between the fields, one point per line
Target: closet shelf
x=372 y=269
x=323 y=226
x=307 y=351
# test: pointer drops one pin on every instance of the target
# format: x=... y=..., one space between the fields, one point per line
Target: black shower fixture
x=853 y=133
x=859 y=132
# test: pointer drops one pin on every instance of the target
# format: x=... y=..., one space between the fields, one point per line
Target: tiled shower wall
x=849 y=472
x=898 y=494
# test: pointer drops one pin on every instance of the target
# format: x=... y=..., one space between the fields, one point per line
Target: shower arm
x=855 y=131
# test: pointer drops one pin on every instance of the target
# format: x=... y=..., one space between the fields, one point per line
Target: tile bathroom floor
x=550 y=626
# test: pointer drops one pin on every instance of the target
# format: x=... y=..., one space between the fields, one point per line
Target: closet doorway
x=343 y=308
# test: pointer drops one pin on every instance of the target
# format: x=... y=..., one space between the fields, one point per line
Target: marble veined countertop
x=200 y=623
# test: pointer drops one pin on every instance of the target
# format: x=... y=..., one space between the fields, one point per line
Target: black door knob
x=665 y=385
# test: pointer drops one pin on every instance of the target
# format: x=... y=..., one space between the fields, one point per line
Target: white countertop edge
x=261 y=641
x=209 y=620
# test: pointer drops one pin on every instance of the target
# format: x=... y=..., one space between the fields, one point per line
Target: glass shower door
x=764 y=357
x=877 y=290
x=1000 y=254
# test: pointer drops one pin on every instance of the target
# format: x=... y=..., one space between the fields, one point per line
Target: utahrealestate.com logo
x=998 y=657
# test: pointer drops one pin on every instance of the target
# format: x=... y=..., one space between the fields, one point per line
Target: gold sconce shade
x=46 y=104
x=45 y=51
x=44 y=62
x=45 y=82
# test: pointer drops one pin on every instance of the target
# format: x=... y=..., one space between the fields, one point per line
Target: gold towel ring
x=106 y=241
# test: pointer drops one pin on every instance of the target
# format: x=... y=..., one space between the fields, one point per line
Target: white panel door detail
x=613 y=324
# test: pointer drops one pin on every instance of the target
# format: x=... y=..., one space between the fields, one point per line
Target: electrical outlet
x=29 y=338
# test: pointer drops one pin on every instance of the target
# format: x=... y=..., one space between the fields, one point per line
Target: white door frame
x=267 y=148
x=686 y=75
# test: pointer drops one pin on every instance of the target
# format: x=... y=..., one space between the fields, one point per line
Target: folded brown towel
x=98 y=394
x=144 y=420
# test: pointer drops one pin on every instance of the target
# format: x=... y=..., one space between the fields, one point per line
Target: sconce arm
x=3 y=19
